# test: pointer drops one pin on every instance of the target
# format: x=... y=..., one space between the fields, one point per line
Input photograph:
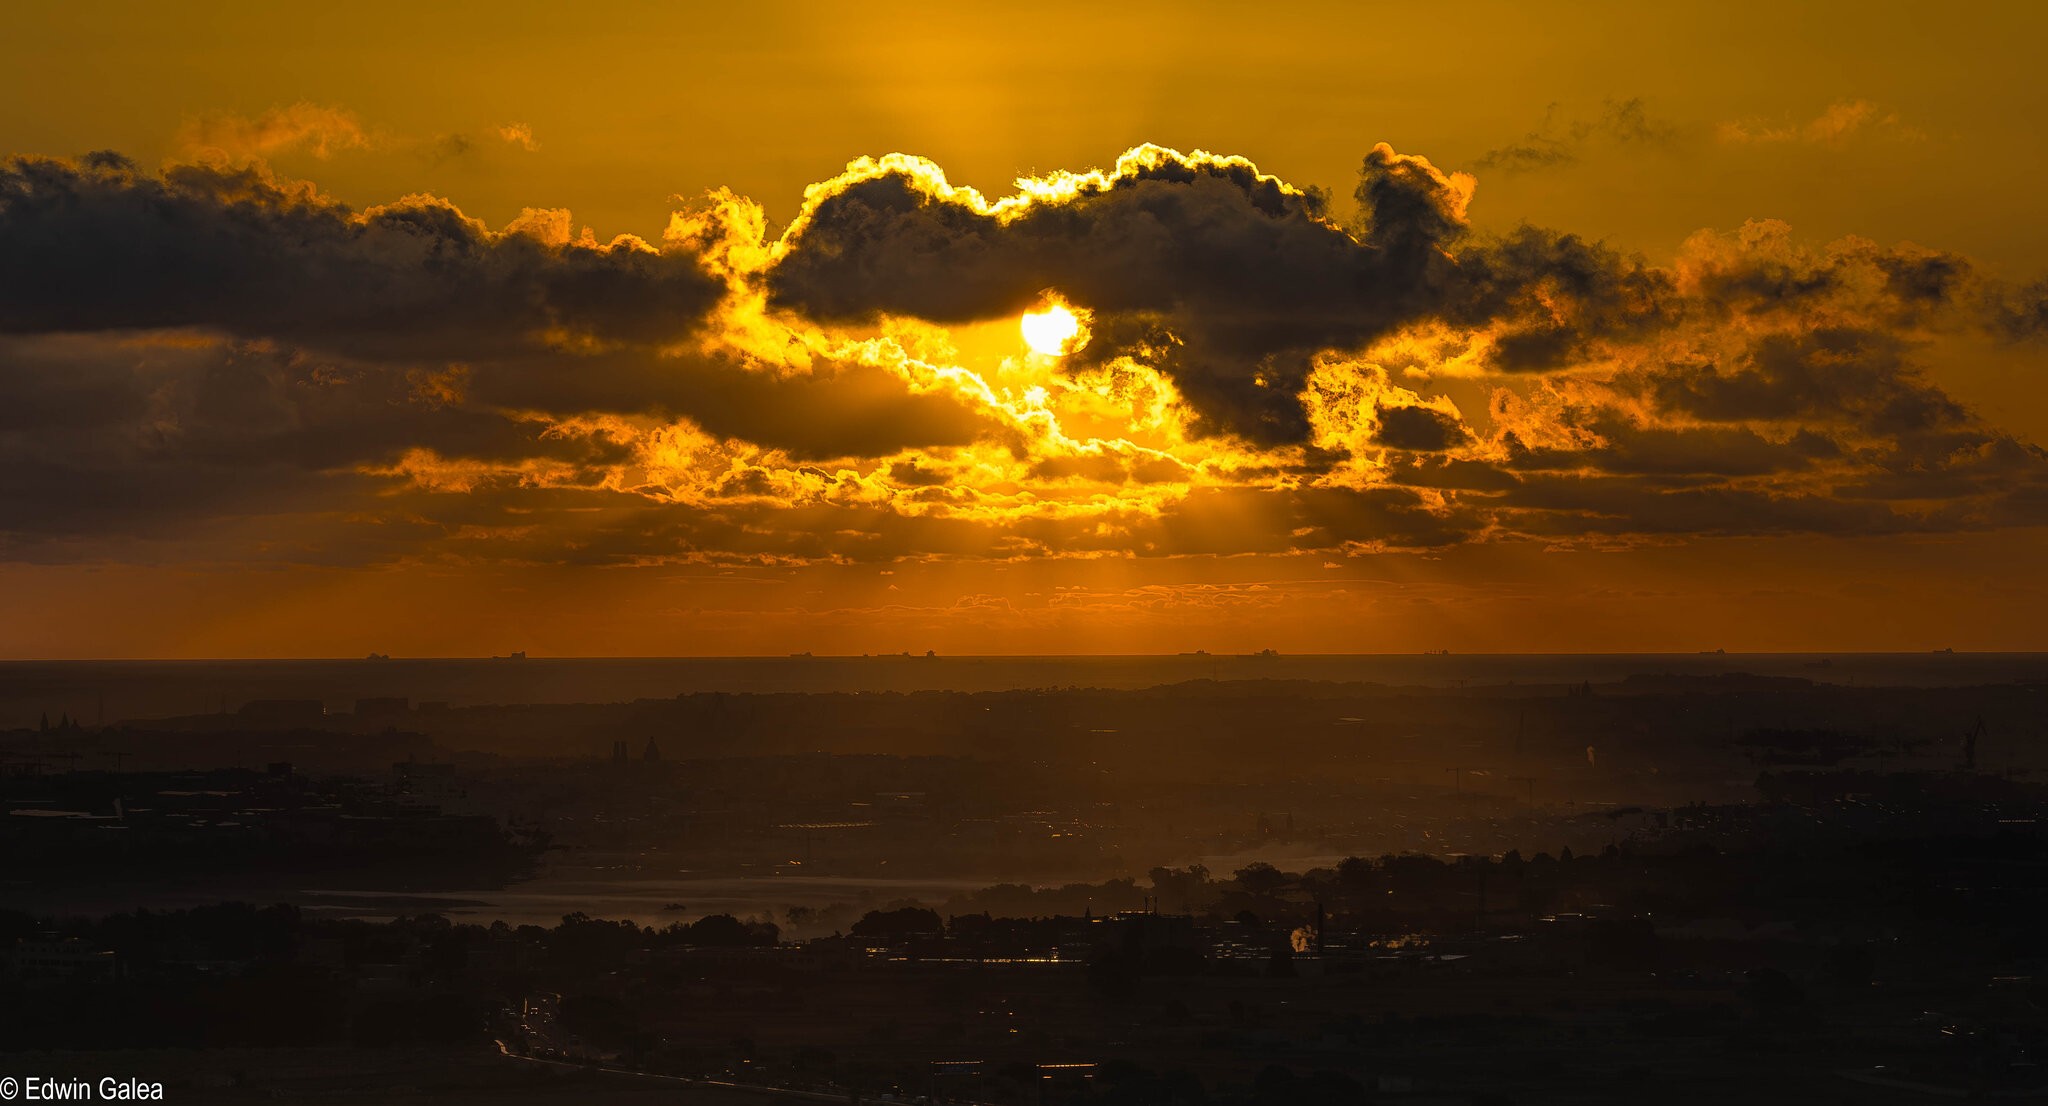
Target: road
x=708 y=1084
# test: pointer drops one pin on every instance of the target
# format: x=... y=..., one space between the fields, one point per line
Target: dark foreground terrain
x=1668 y=887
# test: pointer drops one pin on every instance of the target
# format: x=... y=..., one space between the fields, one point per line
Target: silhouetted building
x=57 y=960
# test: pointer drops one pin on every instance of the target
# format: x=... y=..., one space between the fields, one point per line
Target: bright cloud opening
x=1053 y=331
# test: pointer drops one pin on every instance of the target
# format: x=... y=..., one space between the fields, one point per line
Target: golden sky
x=641 y=329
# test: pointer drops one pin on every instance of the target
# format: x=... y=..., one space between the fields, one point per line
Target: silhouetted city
x=1489 y=882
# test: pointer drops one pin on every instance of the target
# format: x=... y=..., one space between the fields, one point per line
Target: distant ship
x=518 y=655
x=1436 y=652
x=378 y=657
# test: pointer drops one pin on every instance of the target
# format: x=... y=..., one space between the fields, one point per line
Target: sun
x=1052 y=331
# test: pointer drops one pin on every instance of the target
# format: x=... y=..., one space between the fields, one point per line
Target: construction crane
x=1970 y=745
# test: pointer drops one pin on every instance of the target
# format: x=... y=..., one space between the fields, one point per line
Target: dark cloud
x=1553 y=300
x=179 y=445
x=1561 y=140
x=212 y=360
x=1237 y=279
x=831 y=409
x=1552 y=297
x=2018 y=314
x=1663 y=452
x=1842 y=376
x=1246 y=520
x=912 y=475
x=1531 y=152
x=97 y=244
x=1422 y=429
x=1231 y=285
x=147 y=438
x=450 y=147
x=212 y=341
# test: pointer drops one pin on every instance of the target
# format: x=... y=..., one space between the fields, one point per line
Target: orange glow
x=996 y=354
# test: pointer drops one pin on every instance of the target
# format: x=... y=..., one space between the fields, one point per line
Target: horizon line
x=905 y=655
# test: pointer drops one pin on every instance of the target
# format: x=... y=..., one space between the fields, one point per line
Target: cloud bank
x=210 y=362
